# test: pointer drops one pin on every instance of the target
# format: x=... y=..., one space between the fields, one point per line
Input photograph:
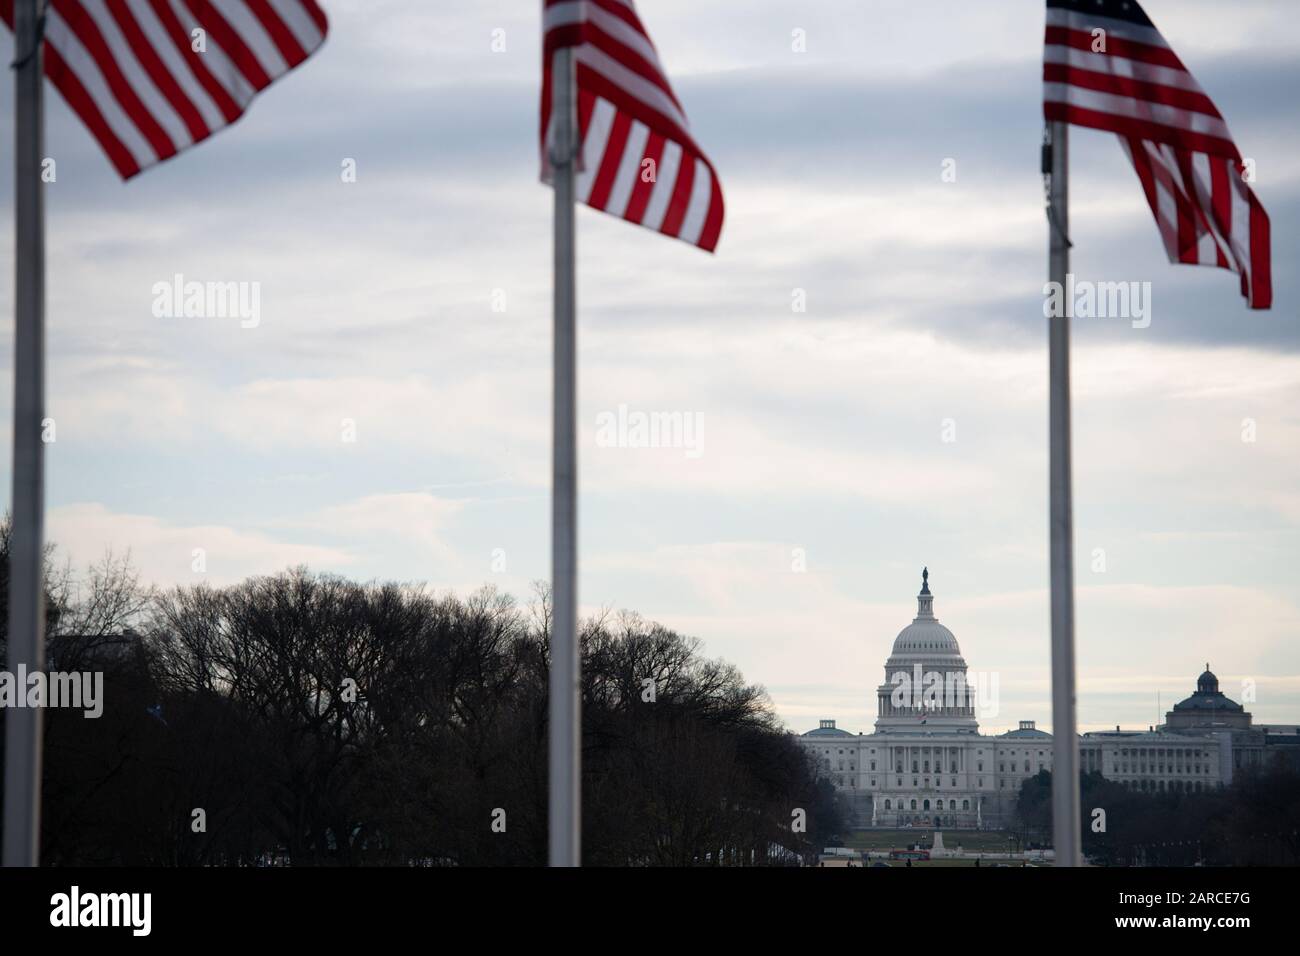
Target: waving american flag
x=637 y=158
x=1105 y=65
x=152 y=77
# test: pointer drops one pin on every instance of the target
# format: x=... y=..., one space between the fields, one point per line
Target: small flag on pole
x=1106 y=66
x=636 y=158
x=152 y=77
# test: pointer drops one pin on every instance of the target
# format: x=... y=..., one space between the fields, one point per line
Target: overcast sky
x=822 y=430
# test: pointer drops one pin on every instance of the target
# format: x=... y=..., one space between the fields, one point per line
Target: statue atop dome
x=925 y=583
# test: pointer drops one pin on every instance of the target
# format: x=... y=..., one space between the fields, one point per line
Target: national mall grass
x=972 y=841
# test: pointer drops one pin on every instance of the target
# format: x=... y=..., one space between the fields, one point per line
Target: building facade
x=927 y=764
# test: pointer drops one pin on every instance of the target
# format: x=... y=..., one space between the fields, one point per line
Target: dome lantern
x=1207 y=683
x=925 y=600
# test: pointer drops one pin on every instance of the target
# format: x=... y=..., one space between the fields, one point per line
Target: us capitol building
x=927 y=764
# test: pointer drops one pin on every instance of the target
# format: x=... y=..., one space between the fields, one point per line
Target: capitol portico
x=927 y=764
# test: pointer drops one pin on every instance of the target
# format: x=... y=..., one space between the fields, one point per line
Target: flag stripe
x=1221 y=203
x=1141 y=91
x=1115 y=46
x=681 y=195
x=628 y=174
x=194 y=64
x=223 y=34
x=1112 y=27
x=306 y=31
x=223 y=69
x=1143 y=110
x=593 y=146
x=157 y=35
x=247 y=28
x=77 y=17
x=1121 y=67
x=99 y=97
x=641 y=192
x=133 y=37
x=657 y=205
x=611 y=159
x=285 y=41
x=1138 y=128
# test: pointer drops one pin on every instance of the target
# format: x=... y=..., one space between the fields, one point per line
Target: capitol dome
x=925 y=656
x=925 y=635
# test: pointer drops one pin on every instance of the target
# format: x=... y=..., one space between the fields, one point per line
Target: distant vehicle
x=909 y=854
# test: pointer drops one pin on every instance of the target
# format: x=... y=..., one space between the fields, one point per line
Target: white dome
x=925 y=656
x=925 y=637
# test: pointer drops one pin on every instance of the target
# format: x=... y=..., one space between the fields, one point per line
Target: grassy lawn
x=972 y=841
x=985 y=864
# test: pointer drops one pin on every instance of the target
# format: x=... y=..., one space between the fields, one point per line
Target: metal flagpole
x=1065 y=742
x=22 y=803
x=565 y=811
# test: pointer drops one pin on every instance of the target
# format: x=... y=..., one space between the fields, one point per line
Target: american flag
x=1106 y=66
x=151 y=77
x=637 y=159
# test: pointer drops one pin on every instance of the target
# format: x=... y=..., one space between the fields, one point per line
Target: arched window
x=952 y=804
x=913 y=804
x=887 y=806
x=965 y=804
x=925 y=805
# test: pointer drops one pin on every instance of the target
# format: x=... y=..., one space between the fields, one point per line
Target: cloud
x=164 y=554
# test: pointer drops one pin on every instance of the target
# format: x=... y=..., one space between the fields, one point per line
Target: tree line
x=306 y=719
x=1255 y=821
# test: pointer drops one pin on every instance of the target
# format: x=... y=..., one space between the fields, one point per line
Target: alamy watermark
x=934 y=692
x=1098 y=300
x=177 y=299
x=82 y=691
x=133 y=911
x=629 y=428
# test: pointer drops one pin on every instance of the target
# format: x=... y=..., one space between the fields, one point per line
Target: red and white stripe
x=1191 y=171
x=128 y=68
x=631 y=124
